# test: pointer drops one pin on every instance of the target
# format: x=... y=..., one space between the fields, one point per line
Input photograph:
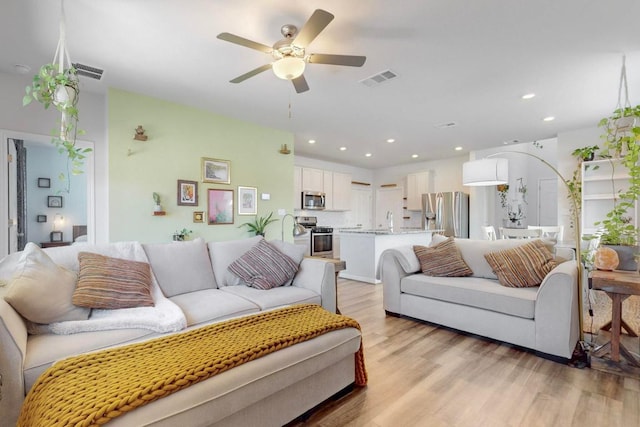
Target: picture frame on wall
x=216 y=171
x=247 y=200
x=187 y=193
x=41 y=218
x=54 y=201
x=56 y=236
x=198 y=216
x=220 y=206
x=44 y=183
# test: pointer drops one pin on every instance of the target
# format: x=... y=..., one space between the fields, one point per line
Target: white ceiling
x=459 y=61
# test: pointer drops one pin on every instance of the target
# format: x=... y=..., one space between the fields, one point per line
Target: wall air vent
x=88 y=71
x=379 y=78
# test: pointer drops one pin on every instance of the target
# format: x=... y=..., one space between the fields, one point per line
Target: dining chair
x=519 y=233
x=489 y=232
x=551 y=232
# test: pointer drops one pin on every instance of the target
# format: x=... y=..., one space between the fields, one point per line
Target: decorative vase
x=157 y=208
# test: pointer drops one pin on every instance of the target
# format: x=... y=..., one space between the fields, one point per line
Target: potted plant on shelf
x=59 y=86
x=622 y=145
x=260 y=224
x=156 y=200
x=585 y=154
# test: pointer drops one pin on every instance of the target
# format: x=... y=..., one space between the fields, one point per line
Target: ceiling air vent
x=379 y=78
x=88 y=71
x=446 y=125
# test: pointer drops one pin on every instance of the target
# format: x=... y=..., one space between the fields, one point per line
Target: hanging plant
x=57 y=84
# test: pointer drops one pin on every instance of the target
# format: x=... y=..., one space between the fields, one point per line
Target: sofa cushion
x=112 y=283
x=194 y=272
x=41 y=290
x=264 y=266
x=523 y=266
x=473 y=252
x=276 y=297
x=224 y=253
x=293 y=251
x=442 y=259
x=477 y=292
x=209 y=305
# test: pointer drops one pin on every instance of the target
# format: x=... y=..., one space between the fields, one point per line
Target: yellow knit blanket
x=91 y=389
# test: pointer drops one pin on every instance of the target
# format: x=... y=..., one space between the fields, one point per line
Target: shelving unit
x=602 y=181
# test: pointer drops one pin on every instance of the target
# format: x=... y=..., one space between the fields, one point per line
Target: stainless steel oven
x=322 y=242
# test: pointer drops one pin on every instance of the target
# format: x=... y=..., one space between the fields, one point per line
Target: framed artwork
x=56 y=236
x=44 y=183
x=54 y=201
x=187 y=193
x=220 y=205
x=216 y=171
x=198 y=216
x=247 y=200
x=41 y=218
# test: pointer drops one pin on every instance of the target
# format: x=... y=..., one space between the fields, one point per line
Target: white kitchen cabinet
x=297 y=187
x=341 y=191
x=361 y=207
x=417 y=184
x=327 y=187
x=602 y=180
x=312 y=179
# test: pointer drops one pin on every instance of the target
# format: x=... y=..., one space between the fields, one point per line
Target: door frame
x=88 y=167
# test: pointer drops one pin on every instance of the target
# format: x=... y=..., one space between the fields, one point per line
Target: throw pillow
x=111 y=283
x=522 y=266
x=442 y=260
x=293 y=251
x=264 y=267
x=41 y=291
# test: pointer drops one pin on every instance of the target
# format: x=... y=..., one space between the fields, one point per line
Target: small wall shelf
x=159 y=213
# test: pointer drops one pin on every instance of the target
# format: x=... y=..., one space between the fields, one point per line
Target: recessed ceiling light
x=458 y=148
x=528 y=95
x=343 y=148
x=549 y=119
x=414 y=156
x=368 y=155
x=312 y=141
x=391 y=140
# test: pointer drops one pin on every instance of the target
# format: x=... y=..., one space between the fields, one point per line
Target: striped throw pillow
x=111 y=283
x=264 y=267
x=523 y=266
x=442 y=260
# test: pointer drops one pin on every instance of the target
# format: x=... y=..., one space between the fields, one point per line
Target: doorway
x=27 y=191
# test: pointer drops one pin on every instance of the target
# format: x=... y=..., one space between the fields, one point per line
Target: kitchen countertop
x=386 y=231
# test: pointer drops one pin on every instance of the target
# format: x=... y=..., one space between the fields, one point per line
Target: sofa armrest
x=556 y=311
x=395 y=264
x=319 y=276
x=13 y=347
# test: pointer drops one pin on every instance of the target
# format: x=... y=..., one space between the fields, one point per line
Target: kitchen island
x=361 y=249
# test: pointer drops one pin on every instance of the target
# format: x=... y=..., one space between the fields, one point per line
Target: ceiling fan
x=289 y=54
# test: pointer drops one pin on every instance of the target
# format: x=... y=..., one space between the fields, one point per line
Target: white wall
x=33 y=119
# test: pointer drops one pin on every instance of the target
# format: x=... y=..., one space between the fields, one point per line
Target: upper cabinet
x=417 y=184
x=312 y=179
x=602 y=180
x=335 y=185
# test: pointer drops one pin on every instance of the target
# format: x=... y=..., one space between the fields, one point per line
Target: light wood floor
x=422 y=375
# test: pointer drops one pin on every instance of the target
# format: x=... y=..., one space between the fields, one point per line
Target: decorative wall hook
x=140 y=136
x=284 y=149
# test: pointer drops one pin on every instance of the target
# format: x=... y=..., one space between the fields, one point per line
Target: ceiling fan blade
x=300 y=83
x=251 y=73
x=232 y=38
x=349 y=60
x=314 y=26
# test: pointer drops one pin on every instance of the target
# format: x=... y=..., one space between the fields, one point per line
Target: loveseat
x=542 y=317
x=192 y=286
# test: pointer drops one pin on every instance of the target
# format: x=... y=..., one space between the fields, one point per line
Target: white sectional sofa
x=543 y=318
x=193 y=287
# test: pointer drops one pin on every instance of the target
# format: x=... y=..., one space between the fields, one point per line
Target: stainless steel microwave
x=312 y=200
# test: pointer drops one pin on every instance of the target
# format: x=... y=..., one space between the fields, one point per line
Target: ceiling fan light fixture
x=289 y=67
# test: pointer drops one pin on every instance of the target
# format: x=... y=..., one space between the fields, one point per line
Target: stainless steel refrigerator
x=447 y=211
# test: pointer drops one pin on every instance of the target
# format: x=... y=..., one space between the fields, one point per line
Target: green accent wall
x=178 y=137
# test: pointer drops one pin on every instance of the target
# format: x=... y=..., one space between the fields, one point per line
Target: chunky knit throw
x=93 y=388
